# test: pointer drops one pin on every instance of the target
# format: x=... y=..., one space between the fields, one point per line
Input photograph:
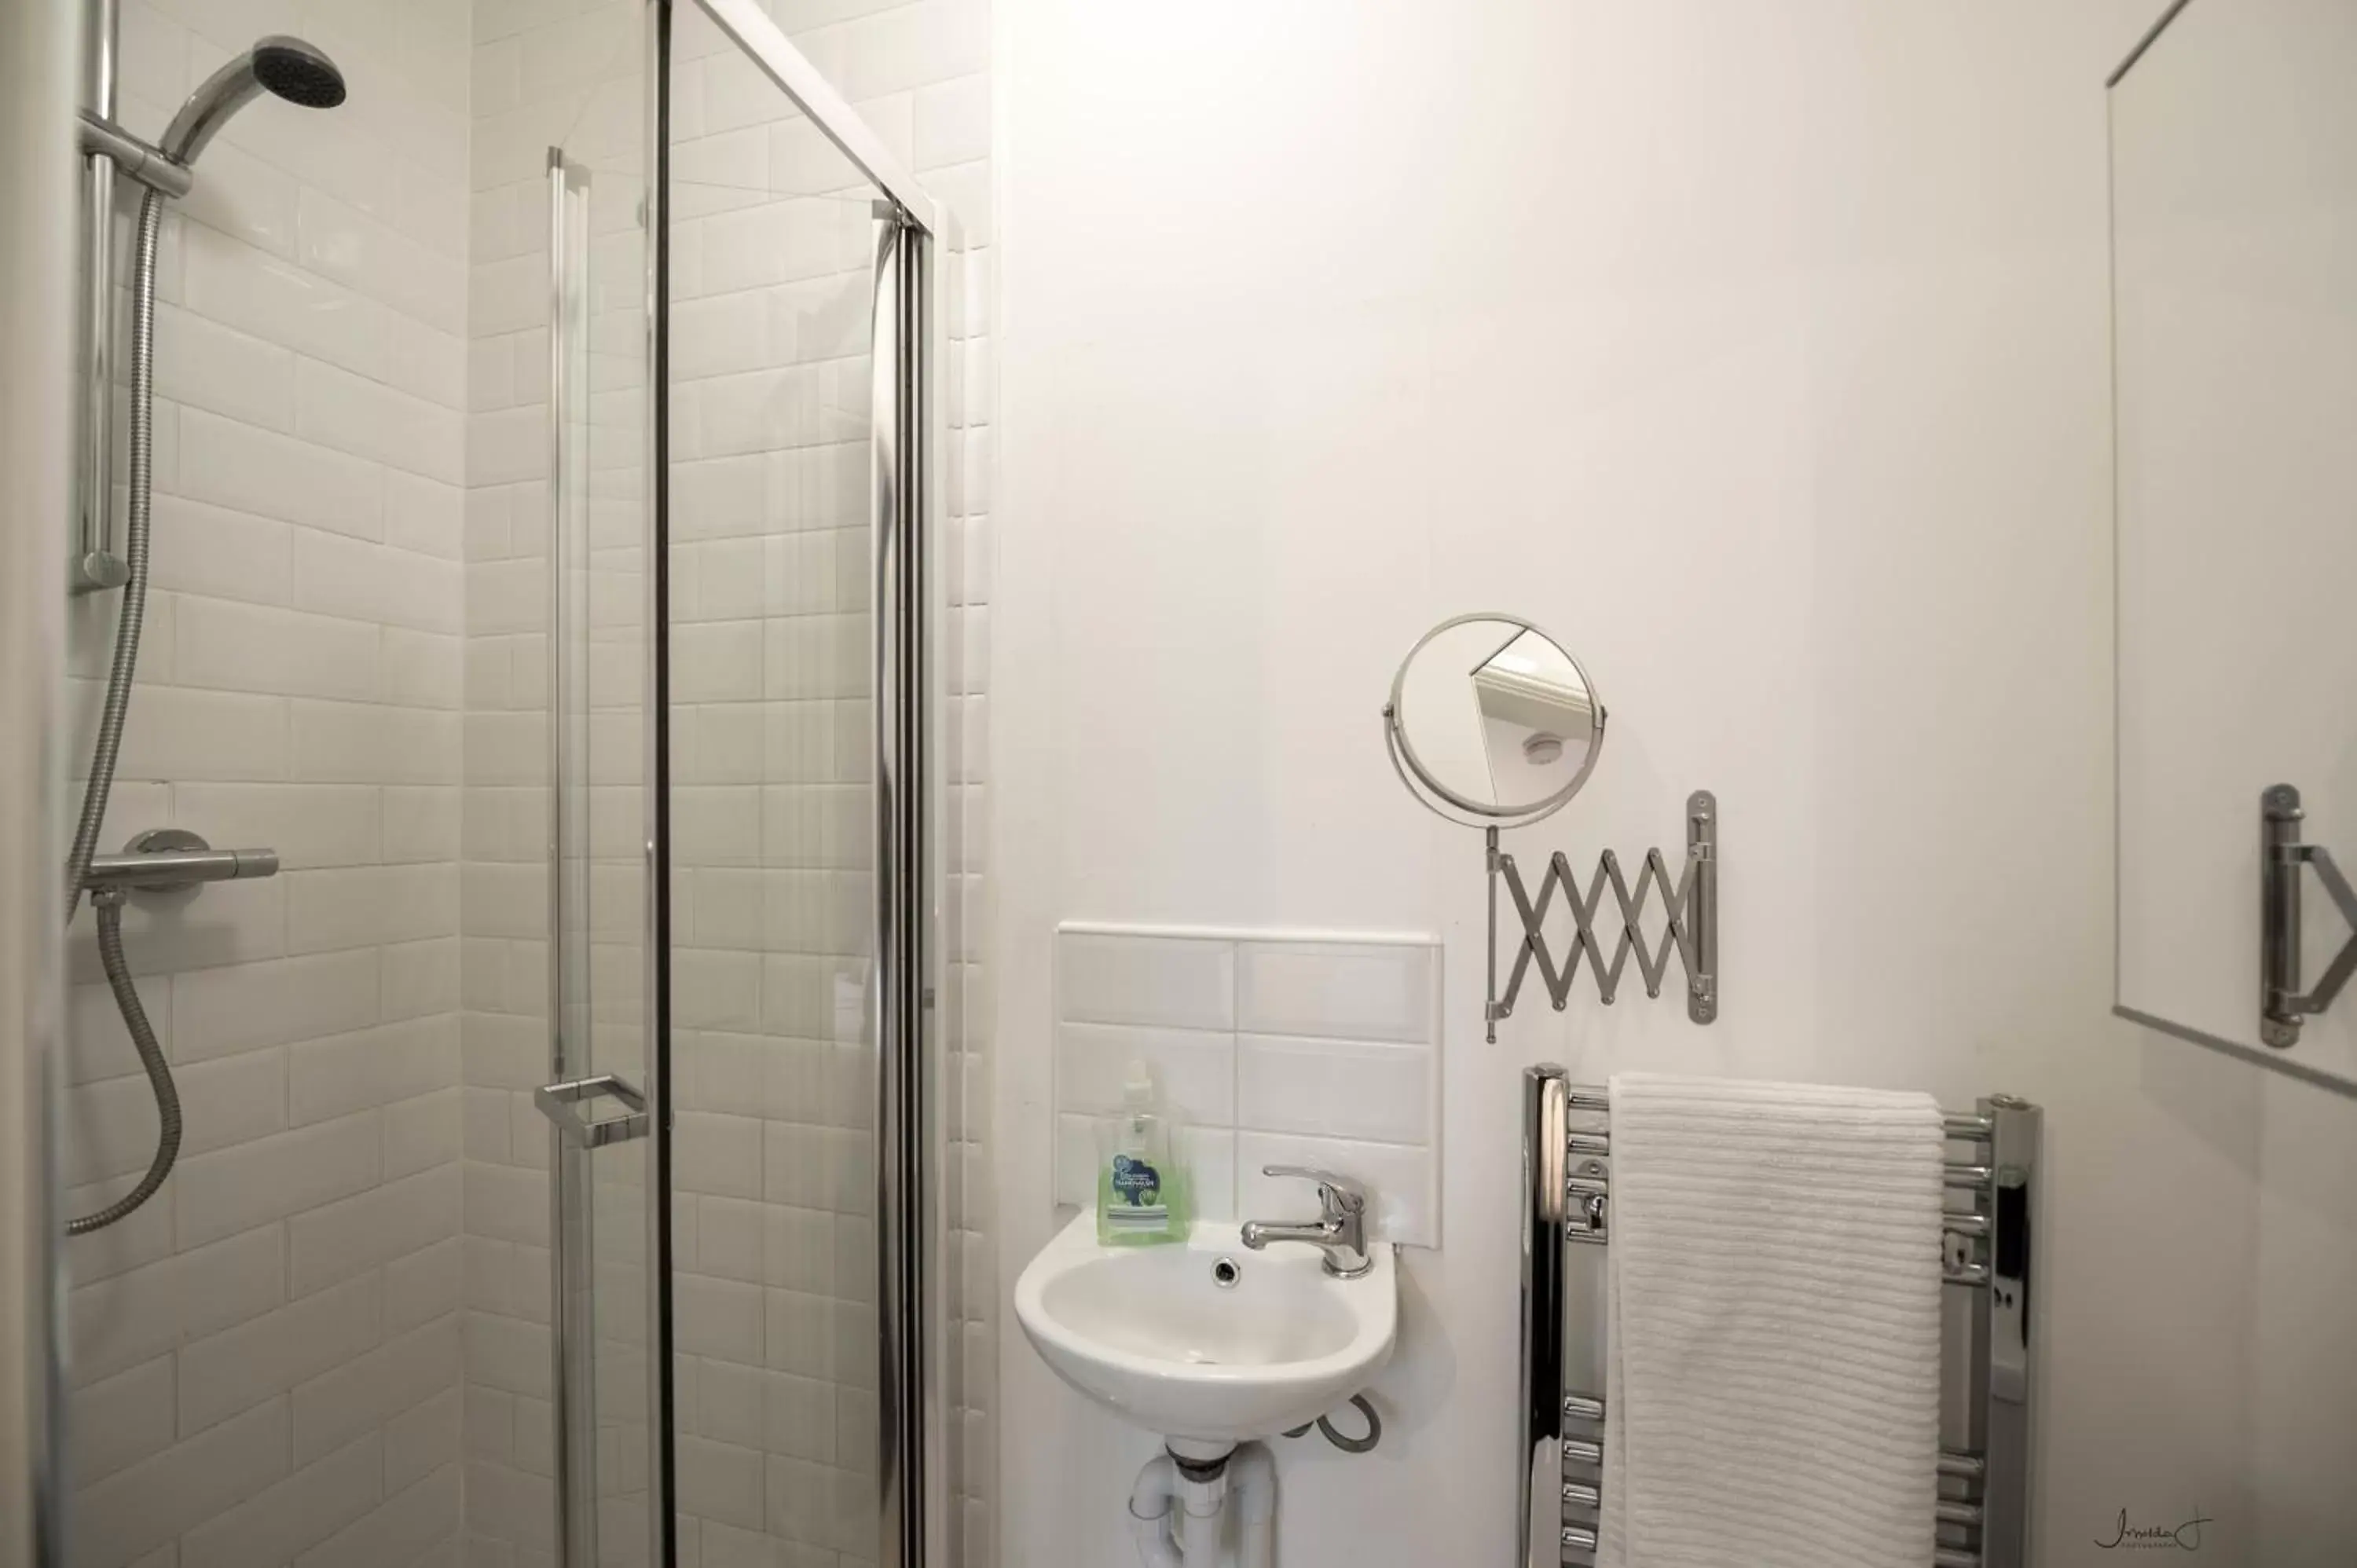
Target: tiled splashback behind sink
x=1270 y=1049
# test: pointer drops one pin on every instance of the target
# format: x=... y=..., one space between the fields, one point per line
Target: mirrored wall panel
x=2234 y=274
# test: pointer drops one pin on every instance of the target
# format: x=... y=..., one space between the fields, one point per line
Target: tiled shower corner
x=325 y=1342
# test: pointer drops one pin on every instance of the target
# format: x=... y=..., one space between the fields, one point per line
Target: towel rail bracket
x=1691 y=931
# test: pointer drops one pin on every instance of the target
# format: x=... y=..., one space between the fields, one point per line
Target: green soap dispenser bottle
x=1142 y=1198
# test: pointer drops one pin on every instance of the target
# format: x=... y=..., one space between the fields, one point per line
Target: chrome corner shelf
x=1691 y=930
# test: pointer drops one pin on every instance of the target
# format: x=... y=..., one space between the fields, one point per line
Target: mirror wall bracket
x=1691 y=931
x=2282 y=1004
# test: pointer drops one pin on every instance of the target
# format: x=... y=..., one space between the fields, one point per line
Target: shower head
x=293 y=70
x=298 y=72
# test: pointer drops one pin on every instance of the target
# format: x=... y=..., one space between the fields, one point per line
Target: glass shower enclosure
x=741 y=898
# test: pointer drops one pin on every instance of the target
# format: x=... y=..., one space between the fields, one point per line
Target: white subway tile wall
x=1269 y=1049
x=543 y=76
x=773 y=1219
x=952 y=137
x=266 y=1358
x=775 y=1165
x=773 y=1286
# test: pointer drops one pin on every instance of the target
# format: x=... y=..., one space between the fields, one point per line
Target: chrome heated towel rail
x=1982 y=1512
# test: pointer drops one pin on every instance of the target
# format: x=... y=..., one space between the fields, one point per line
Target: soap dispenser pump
x=1142 y=1197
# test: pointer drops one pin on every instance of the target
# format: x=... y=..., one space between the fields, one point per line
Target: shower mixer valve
x=164 y=860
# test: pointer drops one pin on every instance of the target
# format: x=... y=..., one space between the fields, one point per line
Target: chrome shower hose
x=133 y=615
x=108 y=907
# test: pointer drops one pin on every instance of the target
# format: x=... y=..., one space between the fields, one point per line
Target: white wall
x=1762 y=354
x=266 y=1355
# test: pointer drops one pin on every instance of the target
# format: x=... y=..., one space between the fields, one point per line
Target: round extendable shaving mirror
x=1490 y=723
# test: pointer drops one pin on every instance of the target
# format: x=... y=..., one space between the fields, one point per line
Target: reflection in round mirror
x=1489 y=717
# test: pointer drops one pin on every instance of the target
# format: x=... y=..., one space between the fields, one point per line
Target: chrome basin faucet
x=1339 y=1231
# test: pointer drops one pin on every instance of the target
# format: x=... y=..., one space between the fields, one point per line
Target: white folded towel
x=1773 y=1392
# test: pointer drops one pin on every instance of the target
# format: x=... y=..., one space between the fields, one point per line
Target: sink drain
x=1226 y=1273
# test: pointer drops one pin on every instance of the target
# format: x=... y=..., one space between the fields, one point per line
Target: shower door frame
x=906 y=495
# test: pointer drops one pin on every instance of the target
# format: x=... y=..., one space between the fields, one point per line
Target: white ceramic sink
x=1152 y=1335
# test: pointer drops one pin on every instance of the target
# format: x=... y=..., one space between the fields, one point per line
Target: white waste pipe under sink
x=1180 y=1521
x=1150 y=1502
x=1252 y=1474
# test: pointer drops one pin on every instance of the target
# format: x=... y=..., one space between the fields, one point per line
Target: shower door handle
x=561 y=1103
